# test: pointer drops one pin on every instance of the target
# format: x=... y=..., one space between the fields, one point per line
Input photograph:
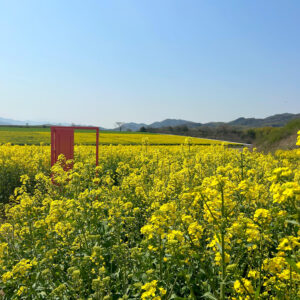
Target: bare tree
x=120 y=124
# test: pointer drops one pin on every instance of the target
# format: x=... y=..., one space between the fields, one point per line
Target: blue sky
x=97 y=62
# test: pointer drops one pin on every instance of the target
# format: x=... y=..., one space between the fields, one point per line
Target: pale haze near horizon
x=98 y=62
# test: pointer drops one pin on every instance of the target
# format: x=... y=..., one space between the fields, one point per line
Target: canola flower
x=151 y=222
x=35 y=136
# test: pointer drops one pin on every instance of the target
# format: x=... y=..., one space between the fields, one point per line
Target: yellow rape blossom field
x=35 y=136
x=150 y=222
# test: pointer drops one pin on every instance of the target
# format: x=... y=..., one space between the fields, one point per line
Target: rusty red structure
x=62 y=142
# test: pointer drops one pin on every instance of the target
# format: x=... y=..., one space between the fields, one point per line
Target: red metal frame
x=68 y=132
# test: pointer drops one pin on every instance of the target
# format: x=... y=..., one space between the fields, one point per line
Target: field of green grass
x=37 y=135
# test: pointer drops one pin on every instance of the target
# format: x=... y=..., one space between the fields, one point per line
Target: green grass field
x=37 y=135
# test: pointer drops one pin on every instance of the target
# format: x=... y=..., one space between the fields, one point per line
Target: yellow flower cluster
x=150 y=291
x=151 y=222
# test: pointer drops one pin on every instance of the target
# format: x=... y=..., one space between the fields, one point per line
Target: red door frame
x=53 y=150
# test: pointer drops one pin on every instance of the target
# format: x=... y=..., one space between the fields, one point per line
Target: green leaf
x=209 y=295
x=219 y=247
x=144 y=277
x=257 y=292
x=292 y=222
x=293 y=265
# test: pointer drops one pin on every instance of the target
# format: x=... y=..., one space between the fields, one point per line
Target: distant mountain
x=133 y=126
x=278 y=120
x=11 y=122
x=173 y=123
x=4 y=121
x=165 y=123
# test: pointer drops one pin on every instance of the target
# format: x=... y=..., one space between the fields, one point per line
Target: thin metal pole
x=97 y=146
x=52 y=146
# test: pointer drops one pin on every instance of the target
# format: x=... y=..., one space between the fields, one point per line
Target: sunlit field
x=35 y=136
x=150 y=222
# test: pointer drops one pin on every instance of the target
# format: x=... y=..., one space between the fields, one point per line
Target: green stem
x=222 y=286
x=160 y=258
